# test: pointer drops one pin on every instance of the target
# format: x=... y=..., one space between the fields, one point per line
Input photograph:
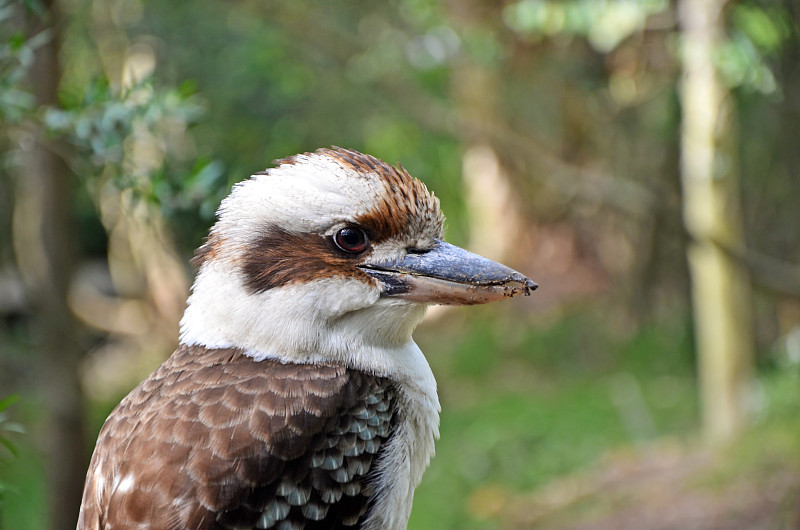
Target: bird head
x=331 y=256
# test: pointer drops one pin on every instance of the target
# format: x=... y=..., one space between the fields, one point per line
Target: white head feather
x=335 y=319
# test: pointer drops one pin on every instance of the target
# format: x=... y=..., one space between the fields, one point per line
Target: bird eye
x=351 y=239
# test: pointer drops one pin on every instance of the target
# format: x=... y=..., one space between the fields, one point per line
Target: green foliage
x=365 y=78
x=7 y=446
x=768 y=27
x=604 y=23
x=16 y=56
x=757 y=35
x=134 y=136
x=758 y=31
x=23 y=475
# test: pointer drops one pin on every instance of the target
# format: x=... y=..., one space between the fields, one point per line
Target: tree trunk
x=720 y=288
x=45 y=251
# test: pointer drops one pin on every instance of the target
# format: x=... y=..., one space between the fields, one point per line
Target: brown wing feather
x=213 y=439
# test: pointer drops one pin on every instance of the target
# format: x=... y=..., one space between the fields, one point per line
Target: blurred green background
x=591 y=144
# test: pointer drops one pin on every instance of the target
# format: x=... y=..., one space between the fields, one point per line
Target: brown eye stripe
x=278 y=257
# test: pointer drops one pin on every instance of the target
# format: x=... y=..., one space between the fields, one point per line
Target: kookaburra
x=297 y=397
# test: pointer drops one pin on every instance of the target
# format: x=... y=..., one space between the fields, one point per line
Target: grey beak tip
x=528 y=285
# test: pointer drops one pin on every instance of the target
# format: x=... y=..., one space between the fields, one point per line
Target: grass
x=772 y=444
x=523 y=405
x=571 y=402
x=22 y=474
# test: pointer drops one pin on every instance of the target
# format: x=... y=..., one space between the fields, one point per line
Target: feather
x=230 y=468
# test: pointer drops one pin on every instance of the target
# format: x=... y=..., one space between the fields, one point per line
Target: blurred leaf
x=34 y=6
x=604 y=23
x=8 y=445
x=7 y=426
x=741 y=65
x=8 y=401
x=14 y=427
x=758 y=34
x=767 y=27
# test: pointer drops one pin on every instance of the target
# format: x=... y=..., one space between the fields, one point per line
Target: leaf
x=8 y=445
x=13 y=426
x=8 y=401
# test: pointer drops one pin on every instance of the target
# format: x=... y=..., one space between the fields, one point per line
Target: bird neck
x=330 y=320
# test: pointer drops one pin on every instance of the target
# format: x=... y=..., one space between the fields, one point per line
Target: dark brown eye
x=351 y=239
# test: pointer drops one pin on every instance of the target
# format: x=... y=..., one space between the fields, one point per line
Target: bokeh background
x=640 y=159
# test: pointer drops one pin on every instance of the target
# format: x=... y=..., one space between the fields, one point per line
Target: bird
x=297 y=397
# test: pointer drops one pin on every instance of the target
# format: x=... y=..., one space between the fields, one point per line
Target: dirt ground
x=664 y=487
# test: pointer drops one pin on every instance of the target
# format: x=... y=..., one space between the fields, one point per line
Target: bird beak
x=447 y=274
